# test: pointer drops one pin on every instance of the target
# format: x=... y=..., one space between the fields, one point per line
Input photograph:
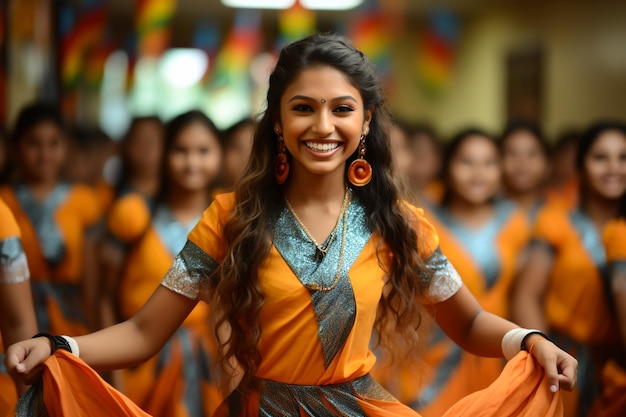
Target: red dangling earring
x=281 y=166
x=360 y=171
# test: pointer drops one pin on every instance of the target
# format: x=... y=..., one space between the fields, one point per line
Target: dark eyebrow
x=299 y=97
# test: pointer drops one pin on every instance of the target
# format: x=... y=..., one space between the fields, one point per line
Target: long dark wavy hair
x=237 y=295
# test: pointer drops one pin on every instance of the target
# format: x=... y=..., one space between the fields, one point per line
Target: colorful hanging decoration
x=372 y=32
x=153 y=25
x=81 y=33
x=436 y=52
x=295 y=23
x=3 y=63
x=95 y=63
x=207 y=37
x=240 y=46
x=228 y=86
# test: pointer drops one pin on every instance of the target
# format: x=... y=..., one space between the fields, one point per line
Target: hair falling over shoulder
x=237 y=297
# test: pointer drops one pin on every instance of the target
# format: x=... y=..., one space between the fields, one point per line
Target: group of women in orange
x=540 y=252
x=265 y=302
x=96 y=252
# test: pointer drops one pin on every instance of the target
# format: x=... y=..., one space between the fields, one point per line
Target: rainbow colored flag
x=239 y=48
x=78 y=40
x=295 y=23
x=95 y=63
x=153 y=25
x=436 y=52
x=372 y=32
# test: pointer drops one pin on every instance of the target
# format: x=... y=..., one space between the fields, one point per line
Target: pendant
x=319 y=255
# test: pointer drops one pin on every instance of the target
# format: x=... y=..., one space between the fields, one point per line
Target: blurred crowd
x=536 y=228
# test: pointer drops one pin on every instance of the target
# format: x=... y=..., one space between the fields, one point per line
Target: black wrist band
x=523 y=346
x=57 y=342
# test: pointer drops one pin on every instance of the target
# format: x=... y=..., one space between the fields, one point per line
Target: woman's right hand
x=24 y=360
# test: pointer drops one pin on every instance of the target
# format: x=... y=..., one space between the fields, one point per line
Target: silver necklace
x=322 y=250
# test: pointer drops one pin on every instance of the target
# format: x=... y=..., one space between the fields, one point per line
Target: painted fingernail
x=553 y=388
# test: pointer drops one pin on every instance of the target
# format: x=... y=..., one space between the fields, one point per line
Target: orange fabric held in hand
x=521 y=390
x=72 y=388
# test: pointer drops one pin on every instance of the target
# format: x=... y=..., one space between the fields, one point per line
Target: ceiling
x=214 y=8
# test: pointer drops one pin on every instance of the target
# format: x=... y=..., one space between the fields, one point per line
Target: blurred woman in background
x=482 y=237
x=89 y=152
x=237 y=147
x=176 y=382
x=141 y=150
x=55 y=218
x=4 y=163
x=426 y=161
x=17 y=316
x=525 y=165
x=560 y=288
x=612 y=401
x=564 y=183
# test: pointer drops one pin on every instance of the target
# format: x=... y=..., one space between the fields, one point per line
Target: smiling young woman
x=483 y=236
x=295 y=327
x=562 y=286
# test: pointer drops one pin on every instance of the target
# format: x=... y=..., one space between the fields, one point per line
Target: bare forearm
x=138 y=338
x=111 y=267
x=527 y=311
x=90 y=281
x=618 y=284
x=118 y=346
x=13 y=334
x=484 y=337
x=17 y=315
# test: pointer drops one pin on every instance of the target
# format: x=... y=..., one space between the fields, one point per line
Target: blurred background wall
x=449 y=63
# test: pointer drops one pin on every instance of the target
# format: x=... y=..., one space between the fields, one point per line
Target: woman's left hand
x=561 y=367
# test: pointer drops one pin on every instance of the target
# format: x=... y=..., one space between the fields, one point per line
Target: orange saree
x=69 y=387
x=13 y=270
x=575 y=303
x=53 y=236
x=177 y=381
x=315 y=357
x=612 y=400
x=450 y=373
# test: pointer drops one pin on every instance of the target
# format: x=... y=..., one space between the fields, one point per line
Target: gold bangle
x=530 y=349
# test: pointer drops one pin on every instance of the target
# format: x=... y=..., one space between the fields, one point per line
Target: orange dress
x=53 y=236
x=13 y=270
x=612 y=402
x=315 y=357
x=105 y=193
x=575 y=304
x=567 y=195
x=72 y=388
x=177 y=381
x=487 y=260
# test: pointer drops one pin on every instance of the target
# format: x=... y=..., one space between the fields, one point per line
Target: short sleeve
x=90 y=206
x=549 y=226
x=190 y=274
x=444 y=280
x=614 y=239
x=8 y=224
x=129 y=218
x=13 y=265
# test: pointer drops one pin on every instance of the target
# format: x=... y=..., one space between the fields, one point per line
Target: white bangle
x=73 y=345
x=513 y=339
